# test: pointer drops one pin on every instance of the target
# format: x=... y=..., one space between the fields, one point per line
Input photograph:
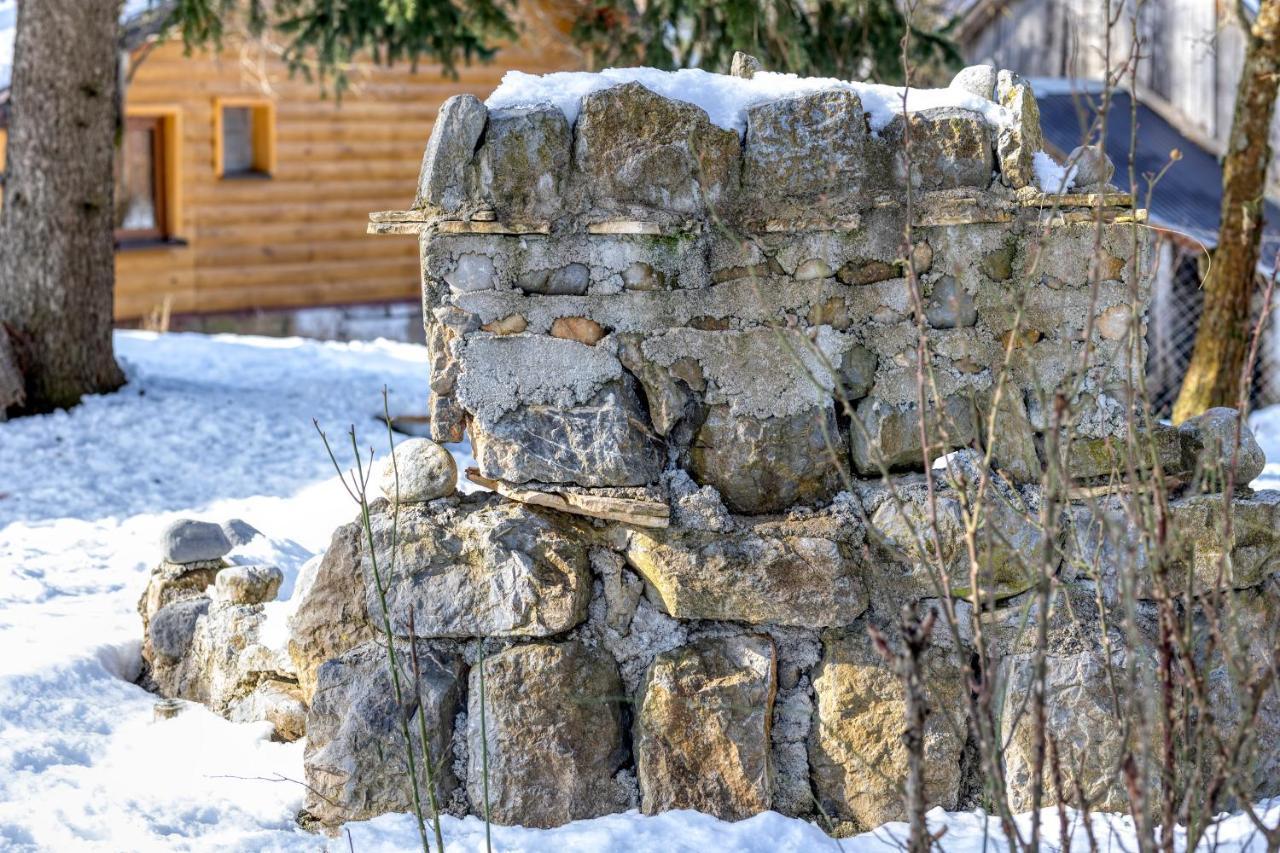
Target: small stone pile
x=201 y=618
x=650 y=328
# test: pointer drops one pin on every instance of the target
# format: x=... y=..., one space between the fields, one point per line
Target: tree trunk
x=57 y=258
x=1222 y=341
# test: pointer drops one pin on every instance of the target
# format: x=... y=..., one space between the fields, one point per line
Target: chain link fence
x=1177 y=302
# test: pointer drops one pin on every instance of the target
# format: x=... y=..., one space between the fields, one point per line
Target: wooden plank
x=640 y=513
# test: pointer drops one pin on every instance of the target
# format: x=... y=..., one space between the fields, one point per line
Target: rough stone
x=702 y=738
x=584 y=330
x=330 y=617
x=1209 y=447
x=189 y=541
x=472 y=272
x=636 y=147
x=443 y=182
x=239 y=532
x=524 y=163
x=787 y=139
x=170 y=582
x=173 y=626
x=1102 y=458
x=1198 y=523
x=1018 y=143
x=554 y=734
x=512 y=324
x=248 y=584
x=1093 y=168
x=744 y=65
x=890 y=435
x=856 y=754
x=950 y=306
x=422 y=471
x=949 y=148
x=768 y=464
x=604 y=442
x=355 y=760
x=977 y=80
x=486 y=568
x=806 y=573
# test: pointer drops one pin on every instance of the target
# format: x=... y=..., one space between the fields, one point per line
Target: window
x=140 y=181
x=147 y=177
x=244 y=138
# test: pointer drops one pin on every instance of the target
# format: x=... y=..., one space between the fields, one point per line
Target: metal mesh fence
x=1177 y=302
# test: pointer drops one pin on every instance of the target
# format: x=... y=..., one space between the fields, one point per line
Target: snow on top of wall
x=726 y=99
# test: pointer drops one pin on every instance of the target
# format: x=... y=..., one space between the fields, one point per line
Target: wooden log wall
x=298 y=237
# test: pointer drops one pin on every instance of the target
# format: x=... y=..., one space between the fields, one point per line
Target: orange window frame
x=263 y=113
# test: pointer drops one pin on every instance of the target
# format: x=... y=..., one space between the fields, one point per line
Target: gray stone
x=248 y=584
x=604 y=442
x=950 y=148
x=856 y=755
x=355 y=763
x=805 y=149
x=422 y=471
x=330 y=617
x=695 y=507
x=702 y=730
x=172 y=627
x=1080 y=714
x=857 y=374
x=805 y=572
x=744 y=65
x=554 y=733
x=1198 y=524
x=472 y=272
x=487 y=567
x=1093 y=168
x=1018 y=143
x=950 y=306
x=636 y=147
x=1209 y=447
x=524 y=163
x=170 y=582
x=189 y=541
x=443 y=181
x=890 y=435
x=977 y=80
x=1104 y=458
x=240 y=532
x=768 y=464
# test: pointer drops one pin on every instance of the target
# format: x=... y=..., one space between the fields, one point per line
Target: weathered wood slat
x=641 y=513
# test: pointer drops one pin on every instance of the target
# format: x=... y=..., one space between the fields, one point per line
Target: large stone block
x=769 y=464
x=1018 y=143
x=804 y=572
x=553 y=722
x=635 y=147
x=356 y=760
x=889 y=436
x=702 y=737
x=605 y=441
x=950 y=148
x=806 y=149
x=857 y=758
x=330 y=617
x=484 y=568
x=524 y=163
x=446 y=164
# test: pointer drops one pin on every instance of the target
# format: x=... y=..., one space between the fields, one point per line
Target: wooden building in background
x=241 y=189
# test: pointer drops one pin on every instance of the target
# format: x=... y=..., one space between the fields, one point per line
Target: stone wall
x=684 y=358
x=644 y=291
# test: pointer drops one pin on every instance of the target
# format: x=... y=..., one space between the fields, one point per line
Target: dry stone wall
x=685 y=356
x=645 y=291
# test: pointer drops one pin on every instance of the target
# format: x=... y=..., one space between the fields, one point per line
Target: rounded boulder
x=425 y=469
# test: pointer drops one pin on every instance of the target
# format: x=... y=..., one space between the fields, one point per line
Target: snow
x=220 y=427
x=726 y=99
x=1052 y=177
x=1265 y=424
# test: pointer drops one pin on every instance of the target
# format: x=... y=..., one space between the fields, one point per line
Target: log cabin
x=241 y=189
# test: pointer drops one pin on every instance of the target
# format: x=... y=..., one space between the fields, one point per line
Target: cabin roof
x=1187 y=198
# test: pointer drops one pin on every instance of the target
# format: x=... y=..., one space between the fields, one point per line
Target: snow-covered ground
x=218 y=428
